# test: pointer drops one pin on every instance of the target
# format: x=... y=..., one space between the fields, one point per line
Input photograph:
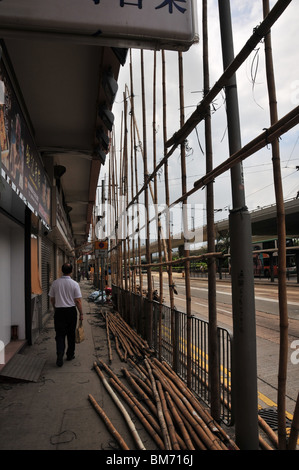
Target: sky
x=253 y=108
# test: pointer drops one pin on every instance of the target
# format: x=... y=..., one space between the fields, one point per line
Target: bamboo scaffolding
x=204 y=424
x=240 y=58
x=122 y=409
x=108 y=423
x=200 y=113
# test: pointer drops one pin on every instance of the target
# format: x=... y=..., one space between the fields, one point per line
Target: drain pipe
x=244 y=373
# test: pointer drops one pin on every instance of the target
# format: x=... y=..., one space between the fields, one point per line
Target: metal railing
x=135 y=309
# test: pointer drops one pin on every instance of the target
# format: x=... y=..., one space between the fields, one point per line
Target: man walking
x=65 y=296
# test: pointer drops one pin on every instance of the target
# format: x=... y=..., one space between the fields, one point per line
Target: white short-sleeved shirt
x=65 y=290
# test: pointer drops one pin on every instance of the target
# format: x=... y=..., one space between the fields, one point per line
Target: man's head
x=67 y=268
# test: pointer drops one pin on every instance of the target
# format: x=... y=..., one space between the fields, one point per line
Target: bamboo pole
x=189 y=258
x=108 y=423
x=122 y=409
x=252 y=42
x=185 y=221
x=214 y=380
x=140 y=391
x=108 y=339
x=133 y=150
x=200 y=113
x=161 y=417
x=171 y=430
x=140 y=413
x=284 y=124
x=169 y=244
x=281 y=232
x=155 y=203
x=269 y=431
x=179 y=422
x=146 y=203
x=292 y=443
x=135 y=180
x=202 y=430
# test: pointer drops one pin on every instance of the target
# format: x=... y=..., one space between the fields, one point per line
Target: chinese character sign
x=170 y=24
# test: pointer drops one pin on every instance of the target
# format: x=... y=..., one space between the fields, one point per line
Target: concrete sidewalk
x=54 y=413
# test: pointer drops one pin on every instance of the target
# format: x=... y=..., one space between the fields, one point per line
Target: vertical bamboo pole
x=124 y=215
x=213 y=340
x=113 y=213
x=169 y=268
x=185 y=221
x=281 y=232
x=132 y=101
x=148 y=255
x=133 y=287
x=156 y=203
x=119 y=212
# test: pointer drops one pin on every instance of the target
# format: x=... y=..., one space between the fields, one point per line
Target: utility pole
x=244 y=363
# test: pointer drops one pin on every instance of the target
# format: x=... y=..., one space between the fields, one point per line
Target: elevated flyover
x=263 y=223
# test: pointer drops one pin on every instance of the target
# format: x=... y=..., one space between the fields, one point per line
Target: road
x=267 y=330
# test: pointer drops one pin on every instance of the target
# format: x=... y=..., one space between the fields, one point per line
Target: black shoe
x=69 y=358
x=59 y=361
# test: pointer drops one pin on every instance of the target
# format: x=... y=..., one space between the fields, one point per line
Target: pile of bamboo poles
x=131 y=348
x=128 y=343
x=172 y=416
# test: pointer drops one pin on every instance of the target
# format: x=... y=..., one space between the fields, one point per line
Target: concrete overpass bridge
x=263 y=222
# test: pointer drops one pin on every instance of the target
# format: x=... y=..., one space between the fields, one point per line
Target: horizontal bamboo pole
x=180 y=260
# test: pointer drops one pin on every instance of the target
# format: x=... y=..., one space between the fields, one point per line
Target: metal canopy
x=60 y=84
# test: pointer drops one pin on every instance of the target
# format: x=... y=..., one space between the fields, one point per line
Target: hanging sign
x=20 y=161
x=148 y=24
x=101 y=248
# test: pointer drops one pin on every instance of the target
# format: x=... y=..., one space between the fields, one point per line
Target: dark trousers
x=65 y=322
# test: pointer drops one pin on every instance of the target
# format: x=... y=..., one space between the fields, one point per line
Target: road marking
x=265 y=299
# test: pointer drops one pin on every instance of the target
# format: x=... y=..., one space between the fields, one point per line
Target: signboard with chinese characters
x=149 y=24
x=20 y=161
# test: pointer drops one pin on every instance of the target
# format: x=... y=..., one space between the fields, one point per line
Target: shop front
x=25 y=210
